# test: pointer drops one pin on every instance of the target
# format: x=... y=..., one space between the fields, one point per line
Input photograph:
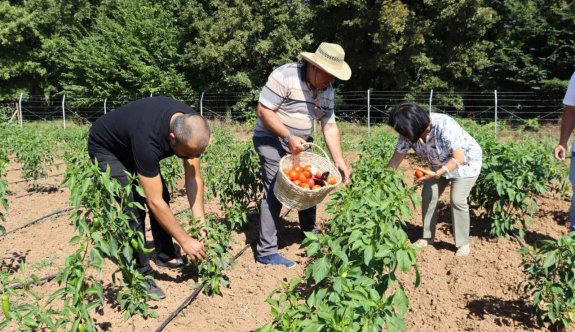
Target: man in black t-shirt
x=134 y=138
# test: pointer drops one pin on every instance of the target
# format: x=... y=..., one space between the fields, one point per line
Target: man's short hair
x=191 y=129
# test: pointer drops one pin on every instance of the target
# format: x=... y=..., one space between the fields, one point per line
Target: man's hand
x=560 y=152
x=194 y=249
x=296 y=144
x=345 y=171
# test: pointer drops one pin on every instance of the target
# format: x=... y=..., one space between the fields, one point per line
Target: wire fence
x=364 y=107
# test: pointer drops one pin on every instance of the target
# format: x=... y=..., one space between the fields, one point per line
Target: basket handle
x=319 y=147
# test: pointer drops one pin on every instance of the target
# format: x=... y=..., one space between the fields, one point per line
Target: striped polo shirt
x=289 y=95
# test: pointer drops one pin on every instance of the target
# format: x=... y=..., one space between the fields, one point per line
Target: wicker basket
x=295 y=197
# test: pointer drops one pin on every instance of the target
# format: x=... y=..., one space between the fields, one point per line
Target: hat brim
x=342 y=73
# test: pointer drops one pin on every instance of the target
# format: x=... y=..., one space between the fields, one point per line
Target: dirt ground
x=477 y=293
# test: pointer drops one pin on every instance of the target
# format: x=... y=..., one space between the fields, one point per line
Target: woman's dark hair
x=409 y=120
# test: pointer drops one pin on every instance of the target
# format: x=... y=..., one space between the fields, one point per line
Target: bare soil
x=477 y=293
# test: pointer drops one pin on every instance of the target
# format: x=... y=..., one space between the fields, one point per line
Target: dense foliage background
x=101 y=48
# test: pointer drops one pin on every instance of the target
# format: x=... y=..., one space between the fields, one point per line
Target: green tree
x=19 y=41
x=233 y=45
x=534 y=45
x=132 y=49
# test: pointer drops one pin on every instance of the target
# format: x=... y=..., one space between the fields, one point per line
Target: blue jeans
x=572 y=208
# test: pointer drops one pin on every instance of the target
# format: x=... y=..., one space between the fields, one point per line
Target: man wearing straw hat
x=294 y=97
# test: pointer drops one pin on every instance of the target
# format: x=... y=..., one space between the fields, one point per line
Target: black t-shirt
x=137 y=133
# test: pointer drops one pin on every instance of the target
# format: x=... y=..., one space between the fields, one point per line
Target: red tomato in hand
x=419 y=174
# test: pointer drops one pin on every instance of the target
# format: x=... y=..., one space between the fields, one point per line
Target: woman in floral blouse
x=453 y=156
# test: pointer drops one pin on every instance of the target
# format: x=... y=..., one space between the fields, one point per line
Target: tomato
x=307 y=167
x=316 y=186
x=310 y=182
x=331 y=180
x=304 y=186
x=293 y=175
x=297 y=168
x=419 y=174
x=296 y=182
x=307 y=174
x=302 y=178
x=318 y=174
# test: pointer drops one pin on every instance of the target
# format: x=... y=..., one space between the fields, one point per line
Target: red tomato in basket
x=307 y=174
x=310 y=182
x=302 y=178
x=316 y=187
x=331 y=180
x=293 y=175
x=304 y=186
x=297 y=168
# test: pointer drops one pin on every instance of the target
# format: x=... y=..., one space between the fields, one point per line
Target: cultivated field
x=362 y=273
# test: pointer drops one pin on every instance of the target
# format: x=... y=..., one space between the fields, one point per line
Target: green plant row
x=351 y=283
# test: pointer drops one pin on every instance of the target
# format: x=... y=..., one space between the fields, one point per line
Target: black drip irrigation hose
x=38 y=220
x=47 y=278
x=17 y=169
x=193 y=296
x=49 y=176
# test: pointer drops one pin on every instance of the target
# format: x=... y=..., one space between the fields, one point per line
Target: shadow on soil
x=14 y=261
x=288 y=231
x=505 y=311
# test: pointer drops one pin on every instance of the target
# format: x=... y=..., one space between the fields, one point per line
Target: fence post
x=202 y=104
x=430 y=99
x=64 y=110
x=495 y=127
x=20 y=110
x=105 y=100
x=368 y=113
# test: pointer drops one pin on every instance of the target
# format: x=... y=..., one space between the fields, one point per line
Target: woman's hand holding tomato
x=424 y=174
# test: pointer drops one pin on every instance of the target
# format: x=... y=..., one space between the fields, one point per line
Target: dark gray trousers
x=162 y=240
x=270 y=151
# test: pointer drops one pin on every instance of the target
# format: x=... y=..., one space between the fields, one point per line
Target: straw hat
x=330 y=58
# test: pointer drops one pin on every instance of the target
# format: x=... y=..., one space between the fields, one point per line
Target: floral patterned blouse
x=445 y=136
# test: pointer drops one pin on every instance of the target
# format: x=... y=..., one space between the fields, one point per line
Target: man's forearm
x=333 y=141
x=195 y=194
x=167 y=220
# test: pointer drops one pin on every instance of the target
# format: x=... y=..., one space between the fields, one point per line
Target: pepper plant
x=171 y=169
x=102 y=220
x=211 y=271
x=231 y=173
x=36 y=155
x=351 y=283
x=24 y=309
x=550 y=271
x=511 y=176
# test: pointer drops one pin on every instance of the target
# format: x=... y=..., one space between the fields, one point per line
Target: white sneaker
x=463 y=251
